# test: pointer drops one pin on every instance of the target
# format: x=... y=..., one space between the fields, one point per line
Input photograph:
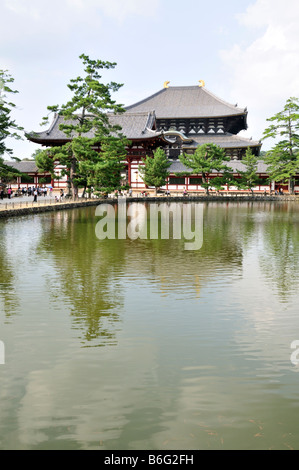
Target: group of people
x=9 y=193
x=118 y=193
x=31 y=190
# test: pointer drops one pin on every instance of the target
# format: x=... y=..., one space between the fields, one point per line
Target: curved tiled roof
x=23 y=166
x=137 y=125
x=223 y=140
x=186 y=102
x=236 y=165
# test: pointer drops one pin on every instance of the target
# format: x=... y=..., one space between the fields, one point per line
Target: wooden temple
x=178 y=119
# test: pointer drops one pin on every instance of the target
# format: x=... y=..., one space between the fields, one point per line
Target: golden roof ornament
x=166 y=85
x=201 y=83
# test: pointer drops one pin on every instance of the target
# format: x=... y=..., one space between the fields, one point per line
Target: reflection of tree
x=280 y=261
x=86 y=270
x=8 y=295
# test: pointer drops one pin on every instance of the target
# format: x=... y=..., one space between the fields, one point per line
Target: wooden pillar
x=129 y=171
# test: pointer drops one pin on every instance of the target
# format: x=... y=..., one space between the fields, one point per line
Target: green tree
x=155 y=172
x=283 y=158
x=86 y=124
x=249 y=177
x=206 y=159
x=7 y=173
x=8 y=126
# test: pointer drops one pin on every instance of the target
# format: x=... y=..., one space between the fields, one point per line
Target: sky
x=246 y=51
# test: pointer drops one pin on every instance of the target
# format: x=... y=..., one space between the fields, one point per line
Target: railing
x=15 y=204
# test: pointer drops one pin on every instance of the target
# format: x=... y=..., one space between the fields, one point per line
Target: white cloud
x=264 y=73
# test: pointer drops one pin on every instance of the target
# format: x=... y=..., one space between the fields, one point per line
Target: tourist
x=61 y=195
x=1 y=193
x=35 y=195
x=9 y=193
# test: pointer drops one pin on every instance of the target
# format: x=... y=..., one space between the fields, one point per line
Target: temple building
x=31 y=176
x=178 y=119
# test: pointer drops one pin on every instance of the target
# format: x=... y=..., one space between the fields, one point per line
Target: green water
x=140 y=344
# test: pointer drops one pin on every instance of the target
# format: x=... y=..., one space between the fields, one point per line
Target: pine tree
x=8 y=127
x=155 y=170
x=86 y=124
x=206 y=159
x=249 y=177
x=283 y=158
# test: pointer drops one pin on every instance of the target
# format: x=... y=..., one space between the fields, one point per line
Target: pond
x=138 y=343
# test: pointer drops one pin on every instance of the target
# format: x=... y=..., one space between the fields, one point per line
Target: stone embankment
x=14 y=209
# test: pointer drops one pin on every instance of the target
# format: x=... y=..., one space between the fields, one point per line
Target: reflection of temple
x=178 y=119
x=92 y=275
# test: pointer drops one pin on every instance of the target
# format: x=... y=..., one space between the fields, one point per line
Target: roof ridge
x=246 y=139
x=139 y=113
x=146 y=99
x=222 y=101
x=56 y=117
x=150 y=120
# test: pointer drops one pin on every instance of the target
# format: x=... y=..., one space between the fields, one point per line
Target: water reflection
x=91 y=272
x=8 y=296
x=85 y=272
x=18 y=241
x=171 y=268
x=196 y=344
x=279 y=258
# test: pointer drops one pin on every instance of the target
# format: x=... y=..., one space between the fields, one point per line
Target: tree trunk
x=74 y=187
x=291 y=186
x=205 y=181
